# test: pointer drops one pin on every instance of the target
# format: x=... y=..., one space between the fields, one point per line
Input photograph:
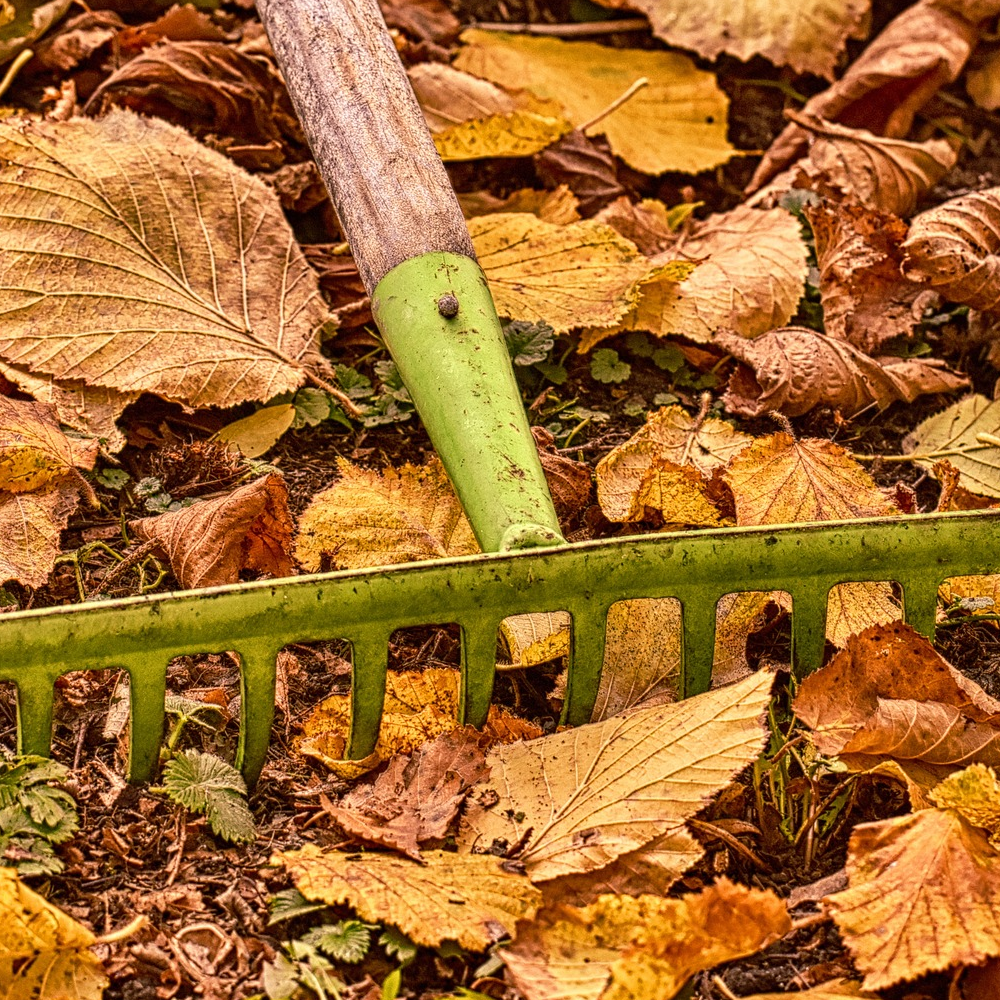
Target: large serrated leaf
x=133 y=257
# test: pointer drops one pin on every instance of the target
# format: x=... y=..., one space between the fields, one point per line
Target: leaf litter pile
x=747 y=255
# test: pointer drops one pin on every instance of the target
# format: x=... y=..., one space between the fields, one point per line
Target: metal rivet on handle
x=448 y=306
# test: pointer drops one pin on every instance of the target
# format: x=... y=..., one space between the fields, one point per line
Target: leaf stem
x=568 y=30
x=14 y=69
x=986 y=441
x=339 y=395
x=616 y=103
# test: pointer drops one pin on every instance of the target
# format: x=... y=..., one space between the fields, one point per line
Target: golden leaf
x=669 y=435
x=750 y=274
x=589 y=795
x=779 y=480
x=43 y=951
x=466 y=898
x=794 y=369
x=160 y=266
x=677 y=122
x=924 y=895
x=952 y=248
x=853 y=607
x=739 y=615
x=807 y=36
x=536 y=638
x=212 y=541
x=836 y=989
x=517 y=133
x=640 y=948
x=377 y=518
x=983 y=82
x=975 y=793
x=257 y=434
x=566 y=276
x=558 y=206
x=30 y=526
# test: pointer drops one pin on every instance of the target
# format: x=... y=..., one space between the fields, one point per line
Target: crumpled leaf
x=669 y=435
x=974 y=792
x=419 y=706
x=559 y=206
x=416 y=797
x=213 y=541
x=738 y=616
x=582 y=798
x=677 y=122
x=77 y=39
x=880 y=173
x=31 y=19
x=924 y=895
x=953 y=248
x=779 y=480
x=918 y=52
x=750 y=274
x=47 y=948
x=866 y=301
x=30 y=526
x=529 y=640
x=370 y=518
x=423 y=19
x=566 y=276
x=191 y=288
x=640 y=948
x=585 y=165
x=214 y=90
x=957 y=430
x=466 y=898
x=568 y=480
x=794 y=369
x=808 y=36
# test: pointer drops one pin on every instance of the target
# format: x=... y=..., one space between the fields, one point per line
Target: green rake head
x=141 y=635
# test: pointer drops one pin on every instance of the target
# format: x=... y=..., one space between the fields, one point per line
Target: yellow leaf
x=923 y=895
x=779 y=480
x=558 y=206
x=584 y=797
x=257 y=434
x=467 y=898
x=517 y=133
x=739 y=615
x=640 y=947
x=853 y=607
x=566 y=276
x=177 y=272
x=536 y=638
x=30 y=526
x=43 y=952
x=750 y=274
x=377 y=518
x=677 y=122
x=974 y=793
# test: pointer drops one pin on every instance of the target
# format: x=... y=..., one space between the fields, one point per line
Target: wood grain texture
x=366 y=131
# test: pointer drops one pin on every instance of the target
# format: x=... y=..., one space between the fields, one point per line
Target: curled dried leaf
x=954 y=248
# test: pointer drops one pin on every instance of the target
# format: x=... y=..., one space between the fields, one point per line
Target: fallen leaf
x=980 y=982
x=750 y=274
x=779 y=480
x=981 y=81
x=559 y=206
x=640 y=948
x=679 y=493
x=568 y=480
x=219 y=307
x=738 y=617
x=866 y=301
x=77 y=39
x=921 y=50
x=957 y=431
x=953 y=247
x=809 y=37
x=529 y=640
x=373 y=518
x=974 y=792
x=585 y=165
x=853 y=607
x=794 y=369
x=214 y=90
x=423 y=19
x=44 y=953
x=924 y=895
x=579 y=799
x=30 y=526
x=676 y=122
x=517 y=133
x=257 y=434
x=213 y=541
x=670 y=435
x=30 y=20
x=836 y=989
x=566 y=276
x=468 y=898
x=877 y=172
x=416 y=797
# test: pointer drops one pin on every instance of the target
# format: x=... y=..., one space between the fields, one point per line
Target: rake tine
x=370 y=659
x=147 y=691
x=583 y=677
x=698 y=617
x=809 y=626
x=35 y=706
x=479 y=656
x=258 y=678
x=920 y=603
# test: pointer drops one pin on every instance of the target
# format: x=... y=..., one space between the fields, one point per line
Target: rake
x=434 y=309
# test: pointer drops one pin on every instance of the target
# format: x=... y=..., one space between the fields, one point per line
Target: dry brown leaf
x=794 y=369
x=585 y=797
x=77 y=39
x=738 y=616
x=423 y=19
x=240 y=101
x=529 y=640
x=566 y=276
x=918 y=52
x=44 y=953
x=373 y=518
x=836 y=989
x=30 y=526
x=416 y=797
x=569 y=481
x=647 y=223
x=213 y=541
x=924 y=895
x=559 y=206
x=982 y=81
x=640 y=948
x=585 y=165
x=779 y=480
x=866 y=301
x=26 y=22
x=809 y=36
x=669 y=435
x=953 y=248
x=979 y=982
x=468 y=898
x=750 y=274
x=179 y=273
x=676 y=122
